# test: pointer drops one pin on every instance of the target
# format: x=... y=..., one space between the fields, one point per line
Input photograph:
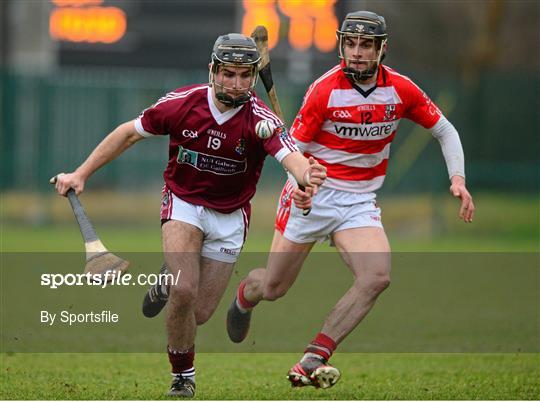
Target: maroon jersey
x=215 y=159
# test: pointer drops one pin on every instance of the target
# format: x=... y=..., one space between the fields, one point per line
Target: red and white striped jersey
x=215 y=159
x=349 y=130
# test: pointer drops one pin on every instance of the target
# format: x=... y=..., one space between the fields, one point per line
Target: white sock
x=189 y=374
x=242 y=310
x=164 y=289
x=310 y=355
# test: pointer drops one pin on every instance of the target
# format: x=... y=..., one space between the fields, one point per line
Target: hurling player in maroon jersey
x=347 y=122
x=215 y=161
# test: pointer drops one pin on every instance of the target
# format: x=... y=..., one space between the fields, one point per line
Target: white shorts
x=332 y=210
x=224 y=234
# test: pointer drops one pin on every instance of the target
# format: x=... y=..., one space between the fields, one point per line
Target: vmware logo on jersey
x=365 y=130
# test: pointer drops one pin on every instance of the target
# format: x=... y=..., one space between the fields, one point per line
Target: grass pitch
x=262 y=376
x=423 y=376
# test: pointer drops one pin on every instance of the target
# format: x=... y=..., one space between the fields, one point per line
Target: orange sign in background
x=86 y=21
x=311 y=22
x=76 y=3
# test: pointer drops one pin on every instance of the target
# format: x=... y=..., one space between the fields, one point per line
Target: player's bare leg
x=283 y=266
x=367 y=253
x=214 y=278
x=213 y=281
x=182 y=244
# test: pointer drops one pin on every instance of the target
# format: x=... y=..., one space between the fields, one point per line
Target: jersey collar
x=220 y=118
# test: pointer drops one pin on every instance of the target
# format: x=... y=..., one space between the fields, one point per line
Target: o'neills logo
x=227 y=251
x=216 y=133
x=368 y=130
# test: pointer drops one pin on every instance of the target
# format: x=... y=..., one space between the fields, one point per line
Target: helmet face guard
x=234 y=51
x=221 y=89
x=362 y=25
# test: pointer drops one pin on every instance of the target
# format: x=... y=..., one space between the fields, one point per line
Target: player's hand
x=64 y=181
x=302 y=199
x=314 y=175
x=458 y=189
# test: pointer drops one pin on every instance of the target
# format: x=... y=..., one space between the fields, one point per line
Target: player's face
x=360 y=53
x=234 y=80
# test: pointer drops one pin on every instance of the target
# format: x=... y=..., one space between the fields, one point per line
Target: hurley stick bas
x=99 y=260
x=260 y=36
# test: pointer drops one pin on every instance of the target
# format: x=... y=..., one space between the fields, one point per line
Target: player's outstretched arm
x=458 y=189
x=452 y=150
x=113 y=145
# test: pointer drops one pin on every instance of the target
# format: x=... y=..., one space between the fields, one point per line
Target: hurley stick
x=99 y=260
x=260 y=36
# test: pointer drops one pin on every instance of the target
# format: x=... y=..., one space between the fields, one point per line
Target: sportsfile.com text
x=53 y=281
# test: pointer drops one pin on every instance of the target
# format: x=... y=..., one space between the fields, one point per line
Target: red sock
x=242 y=302
x=322 y=345
x=181 y=360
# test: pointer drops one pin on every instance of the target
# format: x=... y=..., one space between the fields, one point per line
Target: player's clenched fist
x=64 y=181
x=314 y=175
x=302 y=198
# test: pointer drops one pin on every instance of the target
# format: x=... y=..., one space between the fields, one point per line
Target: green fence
x=51 y=121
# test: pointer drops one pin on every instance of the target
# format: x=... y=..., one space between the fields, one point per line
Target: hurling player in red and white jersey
x=215 y=161
x=347 y=122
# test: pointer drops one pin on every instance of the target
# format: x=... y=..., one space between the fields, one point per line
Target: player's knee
x=182 y=295
x=372 y=285
x=202 y=315
x=379 y=283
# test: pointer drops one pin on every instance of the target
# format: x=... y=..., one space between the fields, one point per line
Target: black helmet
x=364 y=24
x=236 y=50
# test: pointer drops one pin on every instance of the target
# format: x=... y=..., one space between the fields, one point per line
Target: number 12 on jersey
x=365 y=117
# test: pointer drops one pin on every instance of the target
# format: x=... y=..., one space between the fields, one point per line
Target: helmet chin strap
x=228 y=100
x=356 y=75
